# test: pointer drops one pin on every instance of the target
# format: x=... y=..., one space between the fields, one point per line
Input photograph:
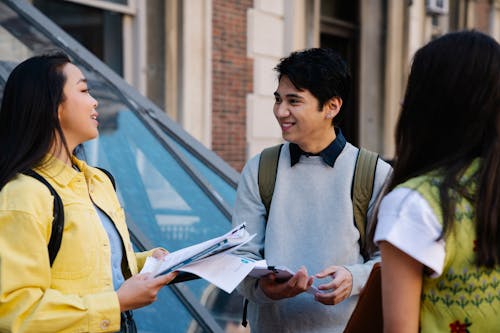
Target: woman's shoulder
x=24 y=193
x=23 y=185
x=402 y=198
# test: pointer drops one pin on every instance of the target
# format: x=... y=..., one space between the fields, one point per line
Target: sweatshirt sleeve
x=250 y=209
x=360 y=273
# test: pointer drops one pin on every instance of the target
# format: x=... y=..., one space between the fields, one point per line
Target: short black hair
x=322 y=71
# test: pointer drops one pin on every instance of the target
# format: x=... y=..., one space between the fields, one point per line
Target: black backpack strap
x=58 y=213
x=110 y=176
x=268 y=168
x=244 y=321
x=57 y=222
x=362 y=190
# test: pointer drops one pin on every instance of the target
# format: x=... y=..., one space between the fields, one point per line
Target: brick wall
x=482 y=15
x=231 y=80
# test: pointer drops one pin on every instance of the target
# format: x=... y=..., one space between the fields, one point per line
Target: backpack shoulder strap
x=110 y=176
x=57 y=222
x=363 y=182
x=58 y=213
x=268 y=168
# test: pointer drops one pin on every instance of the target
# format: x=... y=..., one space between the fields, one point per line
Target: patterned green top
x=465 y=298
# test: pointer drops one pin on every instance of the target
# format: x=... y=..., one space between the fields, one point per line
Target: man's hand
x=276 y=289
x=339 y=288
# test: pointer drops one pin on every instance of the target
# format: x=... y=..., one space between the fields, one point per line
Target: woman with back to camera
x=46 y=112
x=439 y=226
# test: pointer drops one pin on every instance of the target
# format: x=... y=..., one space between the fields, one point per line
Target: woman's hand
x=141 y=290
x=159 y=253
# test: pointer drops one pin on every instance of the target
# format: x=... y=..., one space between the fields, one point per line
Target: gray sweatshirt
x=310 y=224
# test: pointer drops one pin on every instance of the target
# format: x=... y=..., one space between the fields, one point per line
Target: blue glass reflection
x=227 y=192
x=167 y=314
x=160 y=196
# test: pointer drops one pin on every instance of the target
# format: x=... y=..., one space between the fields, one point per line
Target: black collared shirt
x=329 y=154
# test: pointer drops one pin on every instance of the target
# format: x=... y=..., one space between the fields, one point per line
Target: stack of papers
x=211 y=260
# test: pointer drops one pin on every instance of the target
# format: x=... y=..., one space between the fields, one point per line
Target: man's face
x=300 y=119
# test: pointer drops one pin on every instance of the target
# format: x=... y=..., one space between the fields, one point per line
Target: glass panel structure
x=175 y=191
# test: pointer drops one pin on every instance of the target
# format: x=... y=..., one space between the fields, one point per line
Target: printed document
x=211 y=260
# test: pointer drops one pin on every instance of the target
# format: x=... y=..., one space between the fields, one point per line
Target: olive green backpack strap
x=362 y=190
x=268 y=168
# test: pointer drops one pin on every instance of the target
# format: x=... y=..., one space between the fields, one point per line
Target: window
x=99 y=30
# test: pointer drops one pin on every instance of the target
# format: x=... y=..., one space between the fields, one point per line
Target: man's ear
x=332 y=107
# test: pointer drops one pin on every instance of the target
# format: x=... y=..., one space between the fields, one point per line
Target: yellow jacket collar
x=62 y=173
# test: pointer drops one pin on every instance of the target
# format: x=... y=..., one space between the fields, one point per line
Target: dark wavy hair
x=449 y=117
x=28 y=115
x=322 y=71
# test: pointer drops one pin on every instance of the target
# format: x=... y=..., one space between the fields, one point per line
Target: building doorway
x=339 y=29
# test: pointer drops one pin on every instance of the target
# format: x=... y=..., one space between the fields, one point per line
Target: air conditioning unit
x=437 y=7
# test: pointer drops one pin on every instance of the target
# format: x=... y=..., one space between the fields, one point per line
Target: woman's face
x=77 y=112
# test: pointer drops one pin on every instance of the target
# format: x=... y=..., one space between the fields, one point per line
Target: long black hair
x=449 y=117
x=28 y=115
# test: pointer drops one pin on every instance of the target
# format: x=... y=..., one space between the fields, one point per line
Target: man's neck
x=315 y=147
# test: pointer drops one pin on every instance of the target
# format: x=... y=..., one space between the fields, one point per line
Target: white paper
x=174 y=260
x=224 y=270
x=211 y=260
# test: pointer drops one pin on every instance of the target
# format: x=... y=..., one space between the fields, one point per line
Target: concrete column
x=172 y=58
x=266 y=45
x=394 y=68
x=134 y=47
x=196 y=49
x=495 y=19
x=371 y=76
x=295 y=25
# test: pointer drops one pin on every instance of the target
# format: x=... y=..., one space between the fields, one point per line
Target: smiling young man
x=310 y=226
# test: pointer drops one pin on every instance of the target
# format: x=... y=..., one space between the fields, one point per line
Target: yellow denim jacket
x=76 y=294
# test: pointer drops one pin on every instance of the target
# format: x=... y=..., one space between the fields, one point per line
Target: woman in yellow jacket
x=46 y=113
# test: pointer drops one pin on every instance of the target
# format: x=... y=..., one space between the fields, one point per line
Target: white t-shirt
x=406 y=220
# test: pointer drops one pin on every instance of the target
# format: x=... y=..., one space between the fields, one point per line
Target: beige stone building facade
x=209 y=63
